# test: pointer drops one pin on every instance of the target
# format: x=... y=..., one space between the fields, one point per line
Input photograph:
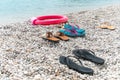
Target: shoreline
x=26 y=56
x=21 y=19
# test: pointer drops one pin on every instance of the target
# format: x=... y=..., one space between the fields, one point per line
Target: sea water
x=20 y=10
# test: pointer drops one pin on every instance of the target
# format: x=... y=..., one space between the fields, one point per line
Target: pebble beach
x=24 y=55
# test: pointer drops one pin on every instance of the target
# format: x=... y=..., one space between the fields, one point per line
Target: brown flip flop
x=49 y=36
x=61 y=36
x=106 y=25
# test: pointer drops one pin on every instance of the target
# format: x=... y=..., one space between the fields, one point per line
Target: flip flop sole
x=50 y=40
x=64 y=38
x=86 y=55
x=72 y=65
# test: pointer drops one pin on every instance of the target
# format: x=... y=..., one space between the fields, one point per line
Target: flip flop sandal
x=88 y=55
x=61 y=36
x=69 y=32
x=77 y=28
x=81 y=34
x=72 y=33
x=106 y=25
x=73 y=27
x=49 y=36
x=72 y=65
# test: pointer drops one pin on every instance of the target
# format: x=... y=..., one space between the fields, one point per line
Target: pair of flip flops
x=84 y=54
x=106 y=25
x=73 y=30
x=55 y=38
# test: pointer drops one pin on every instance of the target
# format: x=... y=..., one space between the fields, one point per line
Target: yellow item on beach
x=106 y=25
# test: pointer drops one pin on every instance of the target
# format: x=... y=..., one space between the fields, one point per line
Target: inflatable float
x=49 y=19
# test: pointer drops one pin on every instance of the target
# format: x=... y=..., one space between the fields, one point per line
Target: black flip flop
x=72 y=65
x=88 y=55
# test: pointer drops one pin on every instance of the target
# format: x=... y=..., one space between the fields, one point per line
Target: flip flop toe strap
x=75 y=58
x=59 y=34
x=91 y=52
x=49 y=34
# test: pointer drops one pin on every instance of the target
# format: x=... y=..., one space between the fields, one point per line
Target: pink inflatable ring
x=49 y=19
